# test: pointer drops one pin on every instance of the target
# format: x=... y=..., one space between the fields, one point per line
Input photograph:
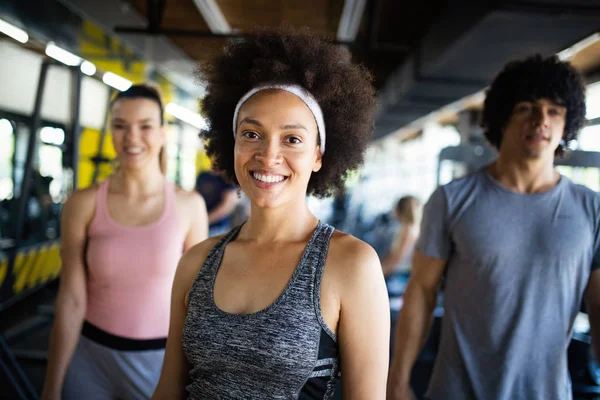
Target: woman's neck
x=138 y=182
x=282 y=224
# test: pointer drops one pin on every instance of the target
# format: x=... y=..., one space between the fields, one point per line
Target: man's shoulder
x=460 y=188
x=576 y=193
x=579 y=189
x=467 y=180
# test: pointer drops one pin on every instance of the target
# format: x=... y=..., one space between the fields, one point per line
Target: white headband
x=301 y=93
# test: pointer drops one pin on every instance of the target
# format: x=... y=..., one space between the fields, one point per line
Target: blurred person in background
x=408 y=212
x=221 y=199
x=396 y=264
x=121 y=242
x=517 y=248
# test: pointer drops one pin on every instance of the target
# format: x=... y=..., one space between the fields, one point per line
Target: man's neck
x=525 y=176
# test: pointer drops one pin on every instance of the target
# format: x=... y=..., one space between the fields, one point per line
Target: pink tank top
x=131 y=270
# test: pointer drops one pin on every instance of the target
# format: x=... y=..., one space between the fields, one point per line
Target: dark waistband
x=104 y=338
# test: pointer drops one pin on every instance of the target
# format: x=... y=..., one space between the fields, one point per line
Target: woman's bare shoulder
x=193 y=259
x=345 y=248
x=81 y=203
x=350 y=258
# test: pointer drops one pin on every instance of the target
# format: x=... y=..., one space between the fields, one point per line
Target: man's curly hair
x=531 y=79
x=344 y=91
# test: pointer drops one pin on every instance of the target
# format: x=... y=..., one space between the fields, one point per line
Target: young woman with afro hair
x=283 y=305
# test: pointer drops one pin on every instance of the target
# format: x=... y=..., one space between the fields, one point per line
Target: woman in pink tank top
x=121 y=242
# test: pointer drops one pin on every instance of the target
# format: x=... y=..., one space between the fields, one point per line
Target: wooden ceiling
x=387 y=32
x=321 y=15
x=243 y=16
x=588 y=58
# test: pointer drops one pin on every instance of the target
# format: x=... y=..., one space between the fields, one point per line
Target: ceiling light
x=88 y=68
x=350 y=20
x=62 y=55
x=16 y=33
x=213 y=16
x=577 y=47
x=186 y=115
x=116 y=81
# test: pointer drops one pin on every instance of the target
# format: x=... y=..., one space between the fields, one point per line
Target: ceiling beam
x=178 y=32
x=203 y=34
x=213 y=16
x=154 y=13
x=546 y=8
x=350 y=20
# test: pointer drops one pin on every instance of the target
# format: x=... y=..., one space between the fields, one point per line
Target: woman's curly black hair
x=530 y=79
x=343 y=89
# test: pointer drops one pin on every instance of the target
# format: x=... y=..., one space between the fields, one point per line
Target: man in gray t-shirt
x=518 y=245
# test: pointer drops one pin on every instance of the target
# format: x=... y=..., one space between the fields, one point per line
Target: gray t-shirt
x=518 y=265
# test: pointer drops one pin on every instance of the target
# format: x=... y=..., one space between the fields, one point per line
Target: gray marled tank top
x=284 y=351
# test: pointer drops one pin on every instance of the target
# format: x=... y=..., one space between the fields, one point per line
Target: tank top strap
x=320 y=250
x=312 y=261
x=215 y=255
x=102 y=195
x=317 y=249
x=101 y=211
x=170 y=199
